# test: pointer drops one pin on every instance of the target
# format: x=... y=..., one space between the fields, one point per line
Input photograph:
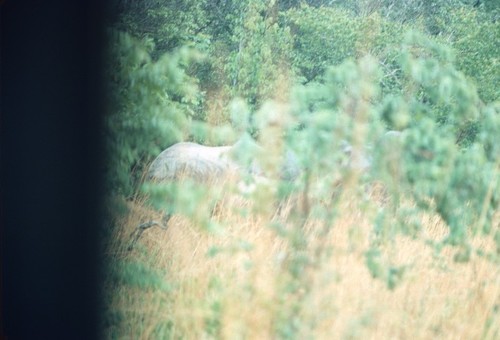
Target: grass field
x=252 y=280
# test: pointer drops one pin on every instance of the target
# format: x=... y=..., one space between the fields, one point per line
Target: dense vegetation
x=304 y=76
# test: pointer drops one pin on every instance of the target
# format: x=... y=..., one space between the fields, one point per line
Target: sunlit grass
x=242 y=281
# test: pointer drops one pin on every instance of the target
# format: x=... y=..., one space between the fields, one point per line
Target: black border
x=51 y=156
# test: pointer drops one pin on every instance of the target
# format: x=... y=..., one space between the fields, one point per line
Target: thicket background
x=322 y=72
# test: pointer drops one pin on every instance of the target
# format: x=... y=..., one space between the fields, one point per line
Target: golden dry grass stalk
x=240 y=283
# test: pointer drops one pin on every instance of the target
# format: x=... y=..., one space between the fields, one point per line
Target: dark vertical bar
x=50 y=156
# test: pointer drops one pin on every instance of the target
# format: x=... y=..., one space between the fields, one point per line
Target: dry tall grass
x=240 y=283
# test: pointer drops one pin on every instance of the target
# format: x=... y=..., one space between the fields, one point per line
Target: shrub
x=150 y=107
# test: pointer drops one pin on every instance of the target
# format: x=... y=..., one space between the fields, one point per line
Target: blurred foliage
x=312 y=77
x=150 y=106
x=137 y=275
x=260 y=55
x=430 y=69
x=169 y=24
x=471 y=34
x=322 y=37
x=139 y=279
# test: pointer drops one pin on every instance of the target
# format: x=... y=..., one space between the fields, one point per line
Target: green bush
x=322 y=37
x=260 y=54
x=150 y=106
x=471 y=34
